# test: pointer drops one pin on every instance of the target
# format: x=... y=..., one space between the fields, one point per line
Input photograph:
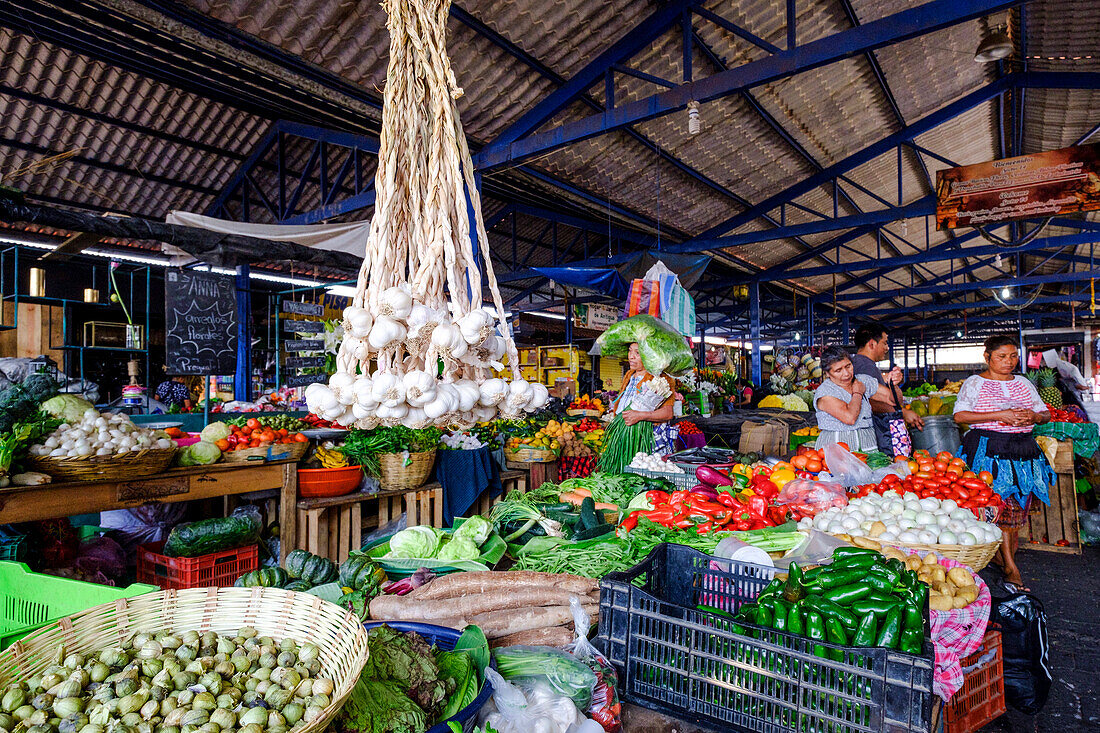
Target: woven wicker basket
x=976 y=556
x=531 y=455
x=105 y=468
x=397 y=475
x=291 y=450
x=272 y=612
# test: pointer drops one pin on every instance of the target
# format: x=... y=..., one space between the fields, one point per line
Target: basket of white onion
x=102 y=447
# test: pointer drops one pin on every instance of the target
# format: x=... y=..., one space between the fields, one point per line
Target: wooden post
x=288 y=510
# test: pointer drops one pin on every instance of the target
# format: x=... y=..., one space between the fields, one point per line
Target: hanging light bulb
x=958 y=334
x=797 y=336
x=1006 y=293
x=998 y=262
x=695 y=124
x=994 y=47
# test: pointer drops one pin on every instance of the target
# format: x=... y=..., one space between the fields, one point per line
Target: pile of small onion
x=187 y=683
x=98 y=434
x=404 y=389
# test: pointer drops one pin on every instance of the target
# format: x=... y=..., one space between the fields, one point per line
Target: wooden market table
x=48 y=501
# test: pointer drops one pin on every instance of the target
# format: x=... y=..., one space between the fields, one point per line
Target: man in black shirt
x=887 y=406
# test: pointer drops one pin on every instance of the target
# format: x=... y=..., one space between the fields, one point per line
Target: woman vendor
x=664 y=433
x=1001 y=407
x=843 y=409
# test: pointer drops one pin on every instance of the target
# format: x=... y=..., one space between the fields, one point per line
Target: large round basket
x=273 y=612
x=105 y=468
x=976 y=556
x=279 y=451
x=530 y=455
x=397 y=474
x=583 y=413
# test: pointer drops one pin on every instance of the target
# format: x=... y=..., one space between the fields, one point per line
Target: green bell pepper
x=890 y=633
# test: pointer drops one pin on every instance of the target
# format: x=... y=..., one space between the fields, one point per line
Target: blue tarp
x=603 y=281
x=613 y=282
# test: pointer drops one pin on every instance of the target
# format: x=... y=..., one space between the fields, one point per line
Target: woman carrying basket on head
x=1001 y=407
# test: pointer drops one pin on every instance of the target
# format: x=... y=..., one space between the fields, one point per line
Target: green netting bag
x=663 y=350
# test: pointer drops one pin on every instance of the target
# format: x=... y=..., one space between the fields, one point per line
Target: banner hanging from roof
x=1028 y=186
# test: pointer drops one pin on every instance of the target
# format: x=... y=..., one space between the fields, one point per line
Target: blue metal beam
x=927 y=18
x=735 y=29
x=1010 y=282
x=638 y=38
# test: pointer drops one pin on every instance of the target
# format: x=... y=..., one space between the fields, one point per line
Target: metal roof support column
x=809 y=323
x=242 y=379
x=754 y=332
x=845 y=329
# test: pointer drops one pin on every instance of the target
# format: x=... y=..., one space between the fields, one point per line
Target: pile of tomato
x=943 y=476
x=256 y=435
x=810 y=459
x=687 y=427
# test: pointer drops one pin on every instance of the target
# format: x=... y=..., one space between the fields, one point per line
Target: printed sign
x=1029 y=186
x=200 y=310
x=304 y=380
x=595 y=316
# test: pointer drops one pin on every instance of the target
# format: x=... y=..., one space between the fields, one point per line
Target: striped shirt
x=979 y=394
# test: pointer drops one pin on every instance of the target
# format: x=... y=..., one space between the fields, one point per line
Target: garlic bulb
x=396 y=302
x=540 y=395
x=357 y=321
x=468 y=394
x=519 y=394
x=420 y=388
x=341 y=385
x=388 y=389
x=345 y=418
x=386 y=332
x=364 y=393
x=484 y=414
x=476 y=326
x=448 y=339
x=493 y=391
x=358 y=348
x=415 y=418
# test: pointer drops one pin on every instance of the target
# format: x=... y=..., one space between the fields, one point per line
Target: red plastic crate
x=982 y=697
x=218 y=569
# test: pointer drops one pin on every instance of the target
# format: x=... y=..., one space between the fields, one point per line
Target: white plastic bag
x=605 y=706
x=848 y=470
x=816 y=549
x=510 y=710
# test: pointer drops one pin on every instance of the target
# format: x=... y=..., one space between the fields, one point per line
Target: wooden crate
x=510 y=481
x=1049 y=524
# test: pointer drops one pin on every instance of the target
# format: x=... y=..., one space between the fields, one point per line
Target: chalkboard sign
x=304 y=380
x=305 y=362
x=303 y=309
x=304 y=345
x=200 y=310
x=300 y=326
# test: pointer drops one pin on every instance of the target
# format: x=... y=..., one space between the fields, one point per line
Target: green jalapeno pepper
x=889 y=634
x=865 y=634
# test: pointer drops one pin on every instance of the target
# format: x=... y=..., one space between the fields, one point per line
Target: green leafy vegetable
x=365 y=446
x=459 y=548
x=199 y=454
x=68 y=407
x=380 y=706
x=621 y=442
x=476 y=529
x=192 y=539
x=415 y=542
x=214 y=432
x=407 y=659
x=458 y=668
x=662 y=349
x=474 y=643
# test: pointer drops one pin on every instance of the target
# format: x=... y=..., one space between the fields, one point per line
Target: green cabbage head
x=459 y=548
x=417 y=542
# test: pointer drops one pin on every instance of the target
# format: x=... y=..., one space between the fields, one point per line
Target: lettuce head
x=663 y=349
x=414 y=542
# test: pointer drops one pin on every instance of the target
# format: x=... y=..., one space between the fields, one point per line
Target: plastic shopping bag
x=605 y=707
x=806 y=497
x=512 y=710
x=847 y=470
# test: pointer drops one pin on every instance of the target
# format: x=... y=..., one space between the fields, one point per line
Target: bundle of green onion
x=621 y=442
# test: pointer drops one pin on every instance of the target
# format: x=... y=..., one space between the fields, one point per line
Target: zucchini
x=588 y=518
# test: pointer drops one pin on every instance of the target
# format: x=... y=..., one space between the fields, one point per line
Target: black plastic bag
x=1023 y=625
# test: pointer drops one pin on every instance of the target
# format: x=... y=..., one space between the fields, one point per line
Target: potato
x=865 y=542
x=941 y=603
x=960 y=577
x=937 y=573
x=931 y=559
x=959 y=602
x=893 y=553
x=925 y=576
x=913 y=562
x=943 y=588
x=969 y=592
x=845 y=537
x=877 y=528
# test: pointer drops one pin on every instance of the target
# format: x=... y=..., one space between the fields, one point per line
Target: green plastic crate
x=30 y=600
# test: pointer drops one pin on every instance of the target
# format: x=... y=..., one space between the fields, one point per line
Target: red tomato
x=252 y=423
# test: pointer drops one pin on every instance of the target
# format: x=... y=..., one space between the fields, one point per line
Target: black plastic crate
x=678 y=659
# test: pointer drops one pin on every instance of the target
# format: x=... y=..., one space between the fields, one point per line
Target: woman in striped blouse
x=1001 y=407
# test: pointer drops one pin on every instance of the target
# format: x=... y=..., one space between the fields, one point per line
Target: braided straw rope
x=425 y=189
x=273 y=612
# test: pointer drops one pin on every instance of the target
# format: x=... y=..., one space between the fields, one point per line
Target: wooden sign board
x=303 y=309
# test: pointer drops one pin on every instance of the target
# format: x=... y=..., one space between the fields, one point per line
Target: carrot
x=582 y=492
x=498 y=581
x=604 y=506
x=572 y=498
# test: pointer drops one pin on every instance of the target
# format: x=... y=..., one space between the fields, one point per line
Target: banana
x=330 y=458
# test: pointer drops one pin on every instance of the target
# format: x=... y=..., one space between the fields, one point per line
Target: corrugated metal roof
x=170 y=148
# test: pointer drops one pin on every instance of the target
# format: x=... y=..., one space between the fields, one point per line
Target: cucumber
x=588 y=518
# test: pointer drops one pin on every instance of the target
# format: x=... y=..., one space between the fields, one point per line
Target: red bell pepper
x=704 y=528
x=629 y=523
x=758 y=505
x=661 y=515
x=677 y=497
x=728 y=500
x=656 y=497
x=777 y=514
x=682 y=521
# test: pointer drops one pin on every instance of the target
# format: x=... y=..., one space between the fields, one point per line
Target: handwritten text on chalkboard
x=200 y=311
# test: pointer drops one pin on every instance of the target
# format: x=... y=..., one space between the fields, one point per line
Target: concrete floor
x=1069 y=587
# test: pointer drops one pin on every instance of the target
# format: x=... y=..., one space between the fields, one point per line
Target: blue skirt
x=1018 y=466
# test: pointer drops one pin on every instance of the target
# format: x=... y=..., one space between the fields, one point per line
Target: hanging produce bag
x=680 y=313
x=644 y=299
